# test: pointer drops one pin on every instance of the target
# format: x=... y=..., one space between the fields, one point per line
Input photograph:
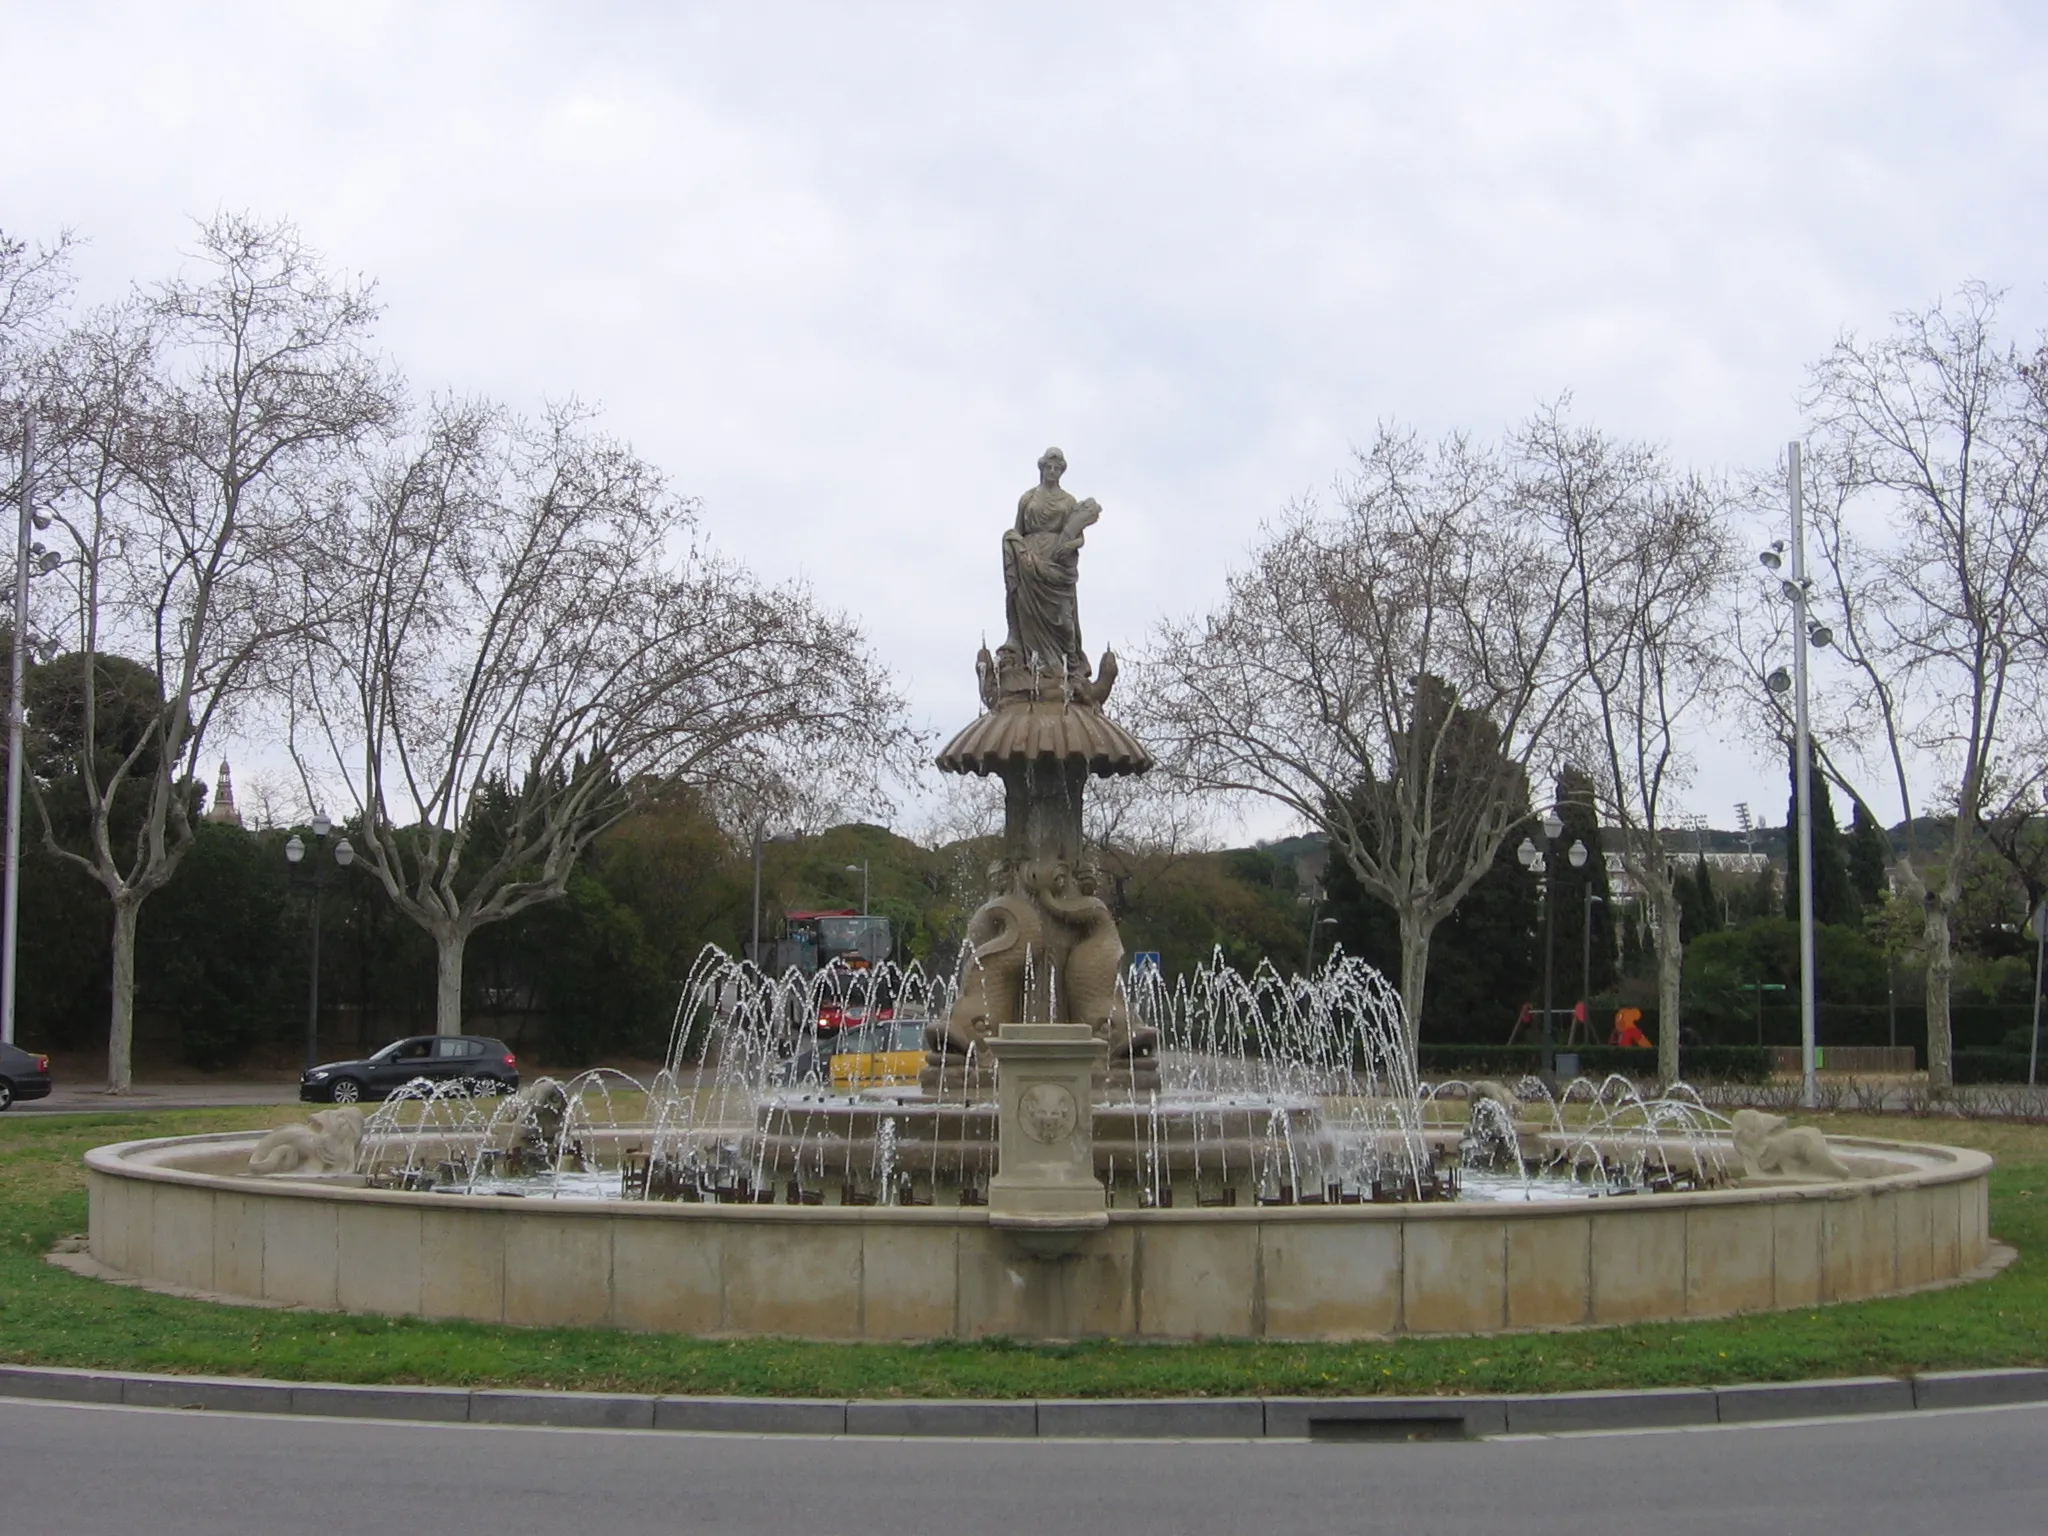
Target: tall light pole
x=344 y=855
x=762 y=836
x=1309 y=966
x=754 y=950
x=862 y=866
x=1804 y=631
x=2040 y=956
x=10 y=923
x=1539 y=861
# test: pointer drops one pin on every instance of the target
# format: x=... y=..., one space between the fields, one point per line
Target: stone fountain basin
x=180 y=1213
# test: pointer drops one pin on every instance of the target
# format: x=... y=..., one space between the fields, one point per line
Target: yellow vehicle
x=882 y=1055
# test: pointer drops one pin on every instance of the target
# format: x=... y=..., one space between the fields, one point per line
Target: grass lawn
x=51 y=1317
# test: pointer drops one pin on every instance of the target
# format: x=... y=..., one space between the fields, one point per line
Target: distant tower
x=223 y=808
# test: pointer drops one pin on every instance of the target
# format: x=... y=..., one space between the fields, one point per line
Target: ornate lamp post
x=295 y=853
x=1578 y=854
x=1538 y=860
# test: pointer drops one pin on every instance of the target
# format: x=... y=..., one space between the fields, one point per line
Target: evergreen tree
x=1699 y=904
x=1485 y=959
x=1868 y=859
x=1834 y=898
x=1631 y=941
x=1576 y=808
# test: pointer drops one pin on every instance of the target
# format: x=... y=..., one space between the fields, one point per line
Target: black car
x=23 y=1075
x=485 y=1064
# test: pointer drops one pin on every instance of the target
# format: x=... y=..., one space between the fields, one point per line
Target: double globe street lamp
x=295 y=854
x=1538 y=860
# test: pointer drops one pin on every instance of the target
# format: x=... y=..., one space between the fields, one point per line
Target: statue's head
x=1051 y=465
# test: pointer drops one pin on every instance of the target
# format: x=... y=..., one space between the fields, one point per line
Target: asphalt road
x=68 y=1469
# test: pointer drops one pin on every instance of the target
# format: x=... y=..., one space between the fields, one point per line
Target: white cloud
x=846 y=270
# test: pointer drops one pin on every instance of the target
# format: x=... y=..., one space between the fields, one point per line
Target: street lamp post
x=344 y=855
x=2040 y=955
x=1578 y=858
x=1804 y=630
x=862 y=866
x=762 y=836
x=1539 y=861
x=1314 y=922
x=30 y=559
x=754 y=949
x=10 y=923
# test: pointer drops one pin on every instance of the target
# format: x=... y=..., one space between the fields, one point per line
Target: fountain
x=1085 y=1151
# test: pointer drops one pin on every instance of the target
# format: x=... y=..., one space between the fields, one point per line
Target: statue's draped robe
x=1041 y=571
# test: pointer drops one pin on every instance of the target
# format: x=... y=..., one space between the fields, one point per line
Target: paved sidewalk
x=83 y=1098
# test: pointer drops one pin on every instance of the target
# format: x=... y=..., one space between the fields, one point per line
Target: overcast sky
x=844 y=270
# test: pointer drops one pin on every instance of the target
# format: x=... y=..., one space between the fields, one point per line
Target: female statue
x=1041 y=570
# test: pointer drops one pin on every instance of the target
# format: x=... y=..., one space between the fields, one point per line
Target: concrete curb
x=1240 y=1418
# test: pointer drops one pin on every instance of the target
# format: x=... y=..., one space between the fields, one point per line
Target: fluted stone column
x=1045 y=1187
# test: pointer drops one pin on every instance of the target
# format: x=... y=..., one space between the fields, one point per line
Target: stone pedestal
x=1045 y=1189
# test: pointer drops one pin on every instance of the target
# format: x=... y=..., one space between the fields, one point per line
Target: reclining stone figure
x=1770 y=1146
x=326 y=1143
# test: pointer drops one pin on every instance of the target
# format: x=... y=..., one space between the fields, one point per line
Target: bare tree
x=1390 y=674
x=35 y=283
x=1930 y=505
x=1139 y=828
x=531 y=631
x=193 y=424
x=1651 y=559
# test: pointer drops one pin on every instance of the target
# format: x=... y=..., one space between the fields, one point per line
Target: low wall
x=1872 y=1060
x=1298 y=1272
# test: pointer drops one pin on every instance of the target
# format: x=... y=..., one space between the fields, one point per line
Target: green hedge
x=1994 y=1066
x=1700 y=1063
x=1973 y=1026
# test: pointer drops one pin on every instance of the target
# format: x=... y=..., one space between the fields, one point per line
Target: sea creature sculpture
x=1093 y=963
x=326 y=1143
x=1486 y=1088
x=1770 y=1146
x=1005 y=940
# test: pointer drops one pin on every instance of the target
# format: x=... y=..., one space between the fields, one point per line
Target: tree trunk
x=1415 y=934
x=448 y=946
x=1670 y=982
x=1941 y=965
x=121 y=1029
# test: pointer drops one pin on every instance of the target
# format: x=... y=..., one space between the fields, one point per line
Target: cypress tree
x=1867 y=857
x=1699 y=905
x=1577 y=809
x=1834 y=897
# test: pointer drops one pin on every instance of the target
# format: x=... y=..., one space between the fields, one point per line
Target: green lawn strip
x=49 y=1316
